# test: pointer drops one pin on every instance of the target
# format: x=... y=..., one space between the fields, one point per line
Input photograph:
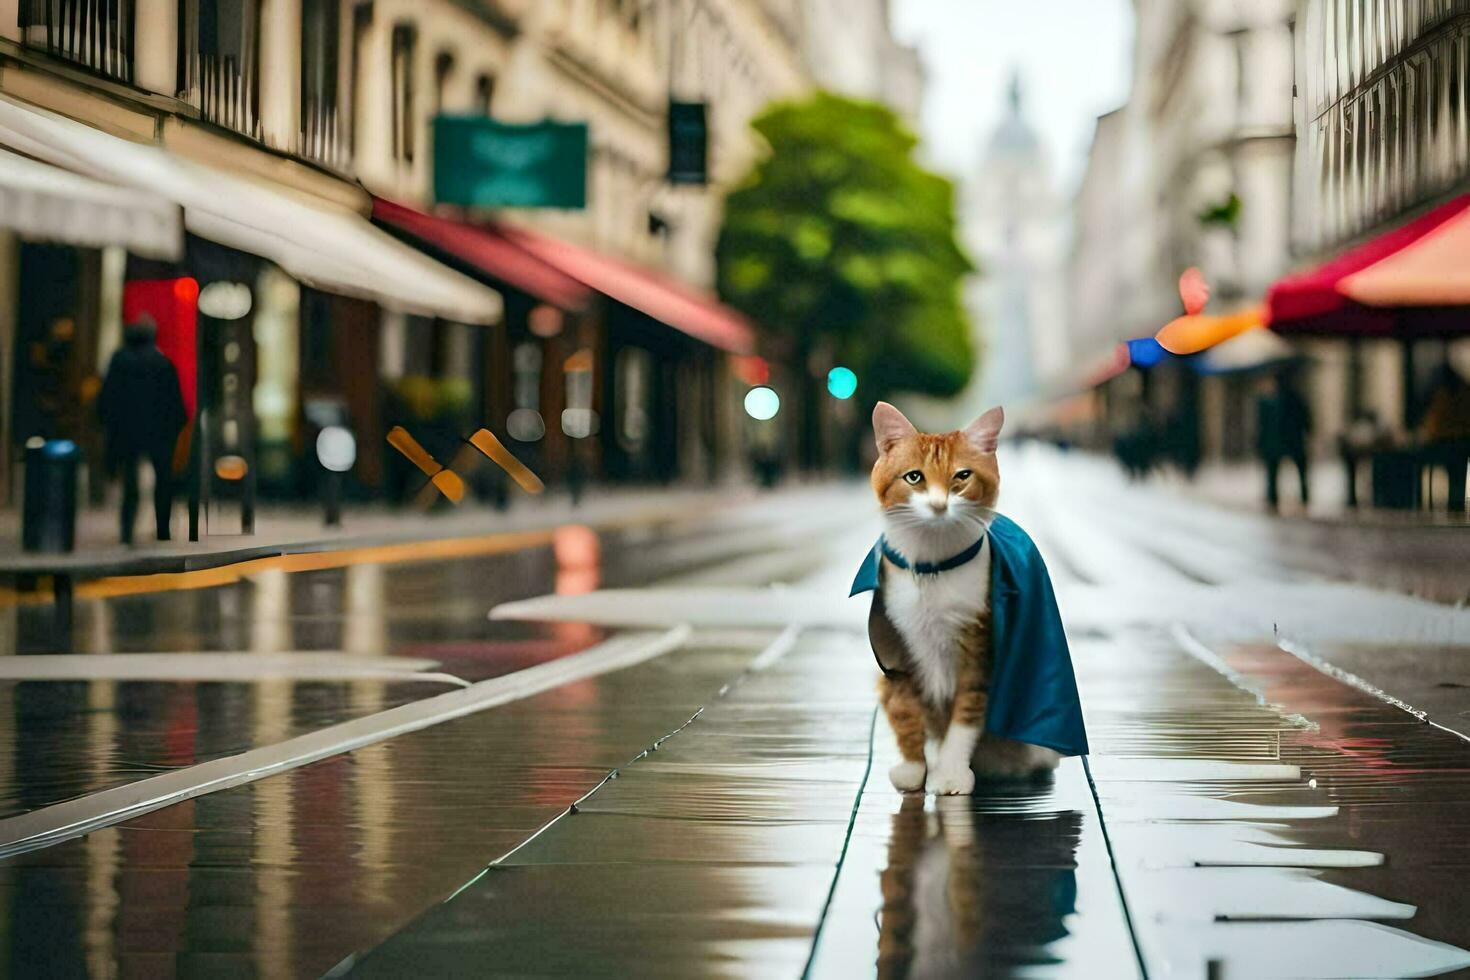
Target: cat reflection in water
x=973 y=889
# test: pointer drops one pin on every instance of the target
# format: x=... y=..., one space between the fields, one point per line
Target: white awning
x=330 y=248
x=47 y=203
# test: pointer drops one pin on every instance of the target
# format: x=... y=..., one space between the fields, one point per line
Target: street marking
x=238 y=667
x=1112 y=769
x=779 y=647
x=299 y=556
x=74 y=818
x=436 y=549
x=724 y=607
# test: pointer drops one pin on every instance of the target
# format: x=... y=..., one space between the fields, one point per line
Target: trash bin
x=49 y=520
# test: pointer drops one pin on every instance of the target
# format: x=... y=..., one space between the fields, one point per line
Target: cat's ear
x=890 y=427
x=984 y=432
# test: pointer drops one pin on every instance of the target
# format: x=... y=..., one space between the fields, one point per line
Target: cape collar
x=931 y=567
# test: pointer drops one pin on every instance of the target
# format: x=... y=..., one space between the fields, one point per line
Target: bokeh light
x=762 y=403
x=841 y=382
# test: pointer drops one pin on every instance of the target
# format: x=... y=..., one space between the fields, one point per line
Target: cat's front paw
x=956 y=781
x=907 y=777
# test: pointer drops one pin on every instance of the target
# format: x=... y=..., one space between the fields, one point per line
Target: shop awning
x=1397 y=283
x=329 y=248
x=46 y=203
x=682 y=307
x=486 y=250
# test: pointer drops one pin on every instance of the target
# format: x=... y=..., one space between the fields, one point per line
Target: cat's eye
x=963 y=475
x=913 y=477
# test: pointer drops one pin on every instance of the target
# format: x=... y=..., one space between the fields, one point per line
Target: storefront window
x=405 y=40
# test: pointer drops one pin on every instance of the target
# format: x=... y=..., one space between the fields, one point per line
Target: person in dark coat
x=142 y=410
x=1283 y=422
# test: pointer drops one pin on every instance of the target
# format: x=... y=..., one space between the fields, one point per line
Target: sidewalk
x=1220 y=514
x=1241 y=486
x=763 y=839
x=297 y=530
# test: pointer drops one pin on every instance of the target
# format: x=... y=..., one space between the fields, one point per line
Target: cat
x=931 y=631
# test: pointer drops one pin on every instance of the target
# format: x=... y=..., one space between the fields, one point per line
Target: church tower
x=1012 y=226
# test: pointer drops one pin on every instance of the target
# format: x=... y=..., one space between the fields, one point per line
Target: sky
x=1073 y=56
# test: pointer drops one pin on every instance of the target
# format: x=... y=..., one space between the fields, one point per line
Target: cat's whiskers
x=921 y=534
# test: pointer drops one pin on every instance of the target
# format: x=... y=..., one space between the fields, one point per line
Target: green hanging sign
x=482 y=163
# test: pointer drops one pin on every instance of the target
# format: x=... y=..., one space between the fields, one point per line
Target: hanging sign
x=483 y=163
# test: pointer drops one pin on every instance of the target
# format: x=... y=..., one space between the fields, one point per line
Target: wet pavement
x=1257 y=804
x=74 y=737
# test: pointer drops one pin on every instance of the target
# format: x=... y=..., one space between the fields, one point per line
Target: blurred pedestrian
x=1445 y=429
x=1283 y=422
x=142 y=410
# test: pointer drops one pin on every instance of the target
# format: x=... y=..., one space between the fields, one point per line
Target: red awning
x=485 y=250
x=1418 y=267
x=685 y=308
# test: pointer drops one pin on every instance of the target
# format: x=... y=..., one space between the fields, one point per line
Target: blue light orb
x=762 y=403
x=841 y=382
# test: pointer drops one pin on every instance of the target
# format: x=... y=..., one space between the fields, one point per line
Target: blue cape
x=1033 y=692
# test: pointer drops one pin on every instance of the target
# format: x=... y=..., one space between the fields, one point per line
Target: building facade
x=329 y=104
x=850 y=49
x=1382 y=135
x=1194 y=170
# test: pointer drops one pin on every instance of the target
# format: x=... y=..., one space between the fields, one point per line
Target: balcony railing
x=97 y=34
x=1396 y=142
x=322 y=137
x=221 y=58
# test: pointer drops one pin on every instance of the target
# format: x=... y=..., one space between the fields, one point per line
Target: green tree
x=840 y=244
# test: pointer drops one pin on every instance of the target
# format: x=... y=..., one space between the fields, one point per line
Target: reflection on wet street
x=704 y=793
x=713 y=857
x=73 y=737
x=286 y=876
x=976 y=886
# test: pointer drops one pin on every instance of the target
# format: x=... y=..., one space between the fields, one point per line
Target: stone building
x=1012 y=221
x=250 y=143
x=1193 y=170
x=1382 y=135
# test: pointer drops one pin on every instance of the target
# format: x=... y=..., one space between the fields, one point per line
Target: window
x=443 y=68
x=99 y=36
x=484 y=93
x=320 y=43
x=220 y=61
x=405 y=39
x=362 y=20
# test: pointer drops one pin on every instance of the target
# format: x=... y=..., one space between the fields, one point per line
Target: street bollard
x=49 y=520
x=336 y=450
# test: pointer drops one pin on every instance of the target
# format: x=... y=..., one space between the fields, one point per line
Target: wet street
x=660 y=755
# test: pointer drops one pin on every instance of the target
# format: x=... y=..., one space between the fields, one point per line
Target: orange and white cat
x=931 y=631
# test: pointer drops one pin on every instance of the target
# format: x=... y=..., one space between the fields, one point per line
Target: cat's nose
x=939 y=502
